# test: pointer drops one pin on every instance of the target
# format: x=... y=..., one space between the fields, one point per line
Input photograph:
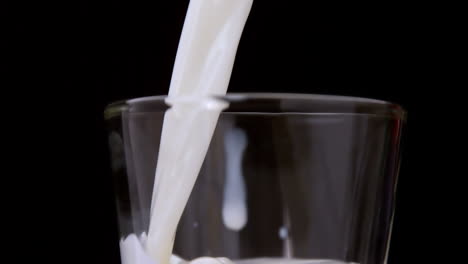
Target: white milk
x=234 y=202
x=203 y=67
x=133 y=253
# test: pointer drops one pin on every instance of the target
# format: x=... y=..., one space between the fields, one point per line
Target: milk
x=133 y=252
x=234 y=200
x=203 y=67
x=208 y=47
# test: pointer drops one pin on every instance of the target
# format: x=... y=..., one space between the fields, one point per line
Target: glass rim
x=386 y=108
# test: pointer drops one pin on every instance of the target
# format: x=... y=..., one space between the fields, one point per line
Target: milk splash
x=234 y=204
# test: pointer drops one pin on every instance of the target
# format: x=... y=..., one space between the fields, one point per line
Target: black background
x=68 y=62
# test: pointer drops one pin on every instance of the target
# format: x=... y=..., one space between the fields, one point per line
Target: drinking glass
x=290 y=176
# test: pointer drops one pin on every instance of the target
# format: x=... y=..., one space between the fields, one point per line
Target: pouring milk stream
x=203 y=67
